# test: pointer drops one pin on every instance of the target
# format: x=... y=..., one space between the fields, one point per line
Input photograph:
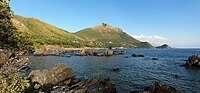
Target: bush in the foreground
x=13 y=83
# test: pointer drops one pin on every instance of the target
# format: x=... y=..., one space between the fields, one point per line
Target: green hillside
x=105 y=35
x=44 y=33
x=100 y=36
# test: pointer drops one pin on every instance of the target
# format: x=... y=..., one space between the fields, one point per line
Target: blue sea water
x=135 y=73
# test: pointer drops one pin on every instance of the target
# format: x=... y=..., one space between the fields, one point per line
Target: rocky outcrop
x=86 y=53
x=157 y=87
x=165 y=46
x=49 y=50
x=118 y=52
x=96 y=53
x=93 y=86
x=105 y=27
x=193 y=61
x=60 y=79
x=137 y=55
x=55 y=75
x=108 y=53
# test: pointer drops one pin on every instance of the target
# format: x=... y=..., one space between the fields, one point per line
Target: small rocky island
x=193 y=61
x=164 y=46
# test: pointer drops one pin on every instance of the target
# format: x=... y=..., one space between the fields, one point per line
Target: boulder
x=81 y=53
x=86 y=53
x=93 y=86
x=59 y=73
x=101 y=86
x=60 y=79
x=116 y=69
x=137 y=55
x=98 y=54
x=108 y=53
x=157 y=87
x=154 y=58
x=193 y=61
x=118 y=52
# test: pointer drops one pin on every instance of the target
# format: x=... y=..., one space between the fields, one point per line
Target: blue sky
x=176 y=22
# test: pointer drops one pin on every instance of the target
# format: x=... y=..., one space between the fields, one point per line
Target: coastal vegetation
x=10 y=38
x=11 y=41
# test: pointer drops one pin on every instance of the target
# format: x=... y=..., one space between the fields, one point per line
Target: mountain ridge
x=110 y=36
x=102 y=35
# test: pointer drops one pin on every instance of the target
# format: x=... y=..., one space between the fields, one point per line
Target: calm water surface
x=135 y=73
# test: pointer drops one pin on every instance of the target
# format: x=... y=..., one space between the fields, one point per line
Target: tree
x=10 y=38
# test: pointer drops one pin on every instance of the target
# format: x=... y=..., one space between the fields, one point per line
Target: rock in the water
x=85 y=53
x=137 y=55
x=55 y=75
x=157 y=87
x=193 y=61
x=118 y=52
x=116 y=69
x=94 y=53
x=108 y=53
x=93 y=86
x=68 y=56
x=49 y=50
x=154 y=58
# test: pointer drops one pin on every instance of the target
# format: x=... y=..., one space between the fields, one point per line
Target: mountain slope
x=101 y=36
x=44 y=33
x=105 y=35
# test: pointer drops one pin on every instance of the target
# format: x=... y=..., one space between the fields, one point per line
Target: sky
x=175 y=22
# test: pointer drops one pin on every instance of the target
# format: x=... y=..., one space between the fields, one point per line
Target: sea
x=135 y=73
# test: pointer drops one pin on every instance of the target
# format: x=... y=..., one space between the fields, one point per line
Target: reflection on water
x=135 y=73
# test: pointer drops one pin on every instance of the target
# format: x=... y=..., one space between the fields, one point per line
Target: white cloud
x=154 y=40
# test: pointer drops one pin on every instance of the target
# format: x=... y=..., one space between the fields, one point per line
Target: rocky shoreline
x=52 y=50
x=97 y=53
x=61 y=78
